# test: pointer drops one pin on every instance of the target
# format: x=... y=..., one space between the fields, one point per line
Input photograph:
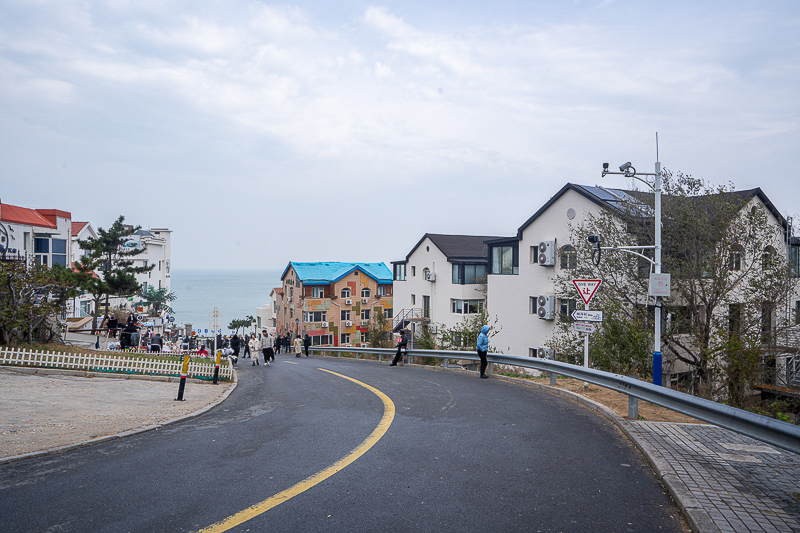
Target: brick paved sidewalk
x=727 y=481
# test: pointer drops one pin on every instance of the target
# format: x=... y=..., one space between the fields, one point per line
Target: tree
x=158 y=299
x=31 y=298
x=720 y=247
x=464 y=335
x=378 y=334
x=245 y=322
x=111 y=253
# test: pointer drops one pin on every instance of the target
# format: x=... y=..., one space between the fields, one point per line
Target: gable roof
x=457 y=247
x=328 y=272
x=77 y=227
x=629 y=203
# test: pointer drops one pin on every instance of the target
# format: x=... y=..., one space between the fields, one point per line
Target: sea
x=236 y=293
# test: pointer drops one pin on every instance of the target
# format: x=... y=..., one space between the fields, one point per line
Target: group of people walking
x=268 y=345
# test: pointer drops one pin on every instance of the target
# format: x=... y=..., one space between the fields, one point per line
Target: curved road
x=458 y=454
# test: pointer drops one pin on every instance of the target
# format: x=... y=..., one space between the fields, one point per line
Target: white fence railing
x=101 y=362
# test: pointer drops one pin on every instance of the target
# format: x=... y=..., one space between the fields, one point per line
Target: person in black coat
x=401 y=347
x=306 y=343
x=235 y=343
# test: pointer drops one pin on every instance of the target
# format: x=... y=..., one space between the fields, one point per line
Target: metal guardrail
x=759 y=427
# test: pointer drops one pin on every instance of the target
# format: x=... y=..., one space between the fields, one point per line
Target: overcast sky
x=263 y=133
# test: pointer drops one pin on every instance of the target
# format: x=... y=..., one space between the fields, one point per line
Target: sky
x=262 y=133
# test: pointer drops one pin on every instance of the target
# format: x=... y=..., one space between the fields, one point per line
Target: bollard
x=184 y=372
x=216 y=367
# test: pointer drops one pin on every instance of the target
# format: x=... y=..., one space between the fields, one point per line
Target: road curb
x=128 y=433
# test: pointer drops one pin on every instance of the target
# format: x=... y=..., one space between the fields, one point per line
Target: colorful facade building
x=334 y=303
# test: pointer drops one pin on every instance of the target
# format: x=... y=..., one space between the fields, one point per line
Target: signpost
x=215 y=324
x=587 y=316
x=587 y=289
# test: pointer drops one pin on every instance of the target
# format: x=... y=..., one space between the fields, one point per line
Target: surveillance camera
x=625 y=167
x=594 y=239
x=605 y=166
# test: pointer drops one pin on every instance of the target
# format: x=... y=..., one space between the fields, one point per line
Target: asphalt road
x=461 y=454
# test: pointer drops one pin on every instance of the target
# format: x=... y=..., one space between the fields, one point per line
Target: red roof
x=77 y=227
x=43 y=218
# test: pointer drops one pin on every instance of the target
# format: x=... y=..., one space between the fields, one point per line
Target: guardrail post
x=490 y=370
x=552 y=379
x=633 y=408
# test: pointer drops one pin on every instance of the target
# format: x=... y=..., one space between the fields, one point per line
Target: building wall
x=519 y=330
x=441 y=291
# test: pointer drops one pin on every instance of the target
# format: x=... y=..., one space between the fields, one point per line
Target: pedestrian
x=277 y=343
x=306 y=343
x=298 y=346
x=266 y=347
x=235 y=345
x=246 y=343
x=483 y=347
x=252 y=347
x=113 y=326
x=156 y=343
x=402 y=343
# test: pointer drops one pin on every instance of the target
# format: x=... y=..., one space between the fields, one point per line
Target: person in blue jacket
x=483 y=347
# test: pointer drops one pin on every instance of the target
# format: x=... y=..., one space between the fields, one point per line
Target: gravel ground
x=43 y=412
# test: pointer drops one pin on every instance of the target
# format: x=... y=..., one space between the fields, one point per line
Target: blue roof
x=324 y=273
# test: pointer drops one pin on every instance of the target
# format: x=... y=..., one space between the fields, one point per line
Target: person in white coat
x=254 y=345
x=266 y=347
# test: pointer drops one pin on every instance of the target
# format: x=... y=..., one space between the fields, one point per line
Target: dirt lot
x=618 y=402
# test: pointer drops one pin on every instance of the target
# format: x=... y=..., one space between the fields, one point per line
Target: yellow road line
x=262 y=507
x=291 y=362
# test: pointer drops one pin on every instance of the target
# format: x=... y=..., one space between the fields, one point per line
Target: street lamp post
x=629 y=171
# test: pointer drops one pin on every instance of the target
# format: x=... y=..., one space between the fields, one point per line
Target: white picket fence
x=101 y=362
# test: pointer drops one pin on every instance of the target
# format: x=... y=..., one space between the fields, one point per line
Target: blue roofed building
x=334 y=303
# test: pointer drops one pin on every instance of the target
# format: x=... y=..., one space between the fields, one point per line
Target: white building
x=442 y=279
x=81 y=231
x=156 y=249
x=43 y=234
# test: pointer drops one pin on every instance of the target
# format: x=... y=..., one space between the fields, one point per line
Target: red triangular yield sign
x=586 y=288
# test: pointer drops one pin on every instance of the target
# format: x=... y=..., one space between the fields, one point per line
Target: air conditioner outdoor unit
x=547 y=253
x=364 y=345
x=545 y=306
x=364 y=300
x=348 y=302
x=365 y=322
x=542 y=352
x=348 y=345
x=324 y=324
x=431 y=276
x=348 y=323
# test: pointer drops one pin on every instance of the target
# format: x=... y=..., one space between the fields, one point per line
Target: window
x=505 y=260
x=426 y=272
x=388 y=313
x=457 y=277
x=534 y=257
x=734 y=319
x=384 y=290
x=346 y=292
x=345 y=338
x=413 y=299
x=532 y=305
x=365 y=314
x=321 y=340
x=735 y=259
x=569 y=258
x=469 y=274
x=400 y=272
x=365 y=293
x=466 y=307
x=426 y=306
x=413 y=271
x=345 y=315
x=41 y=245
x=794 y=261
x=318 y=292
x=797 y=312
x=768 y=258
x=566 y=306
x=59 y=252
x=315 y=316
x=766 y=322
